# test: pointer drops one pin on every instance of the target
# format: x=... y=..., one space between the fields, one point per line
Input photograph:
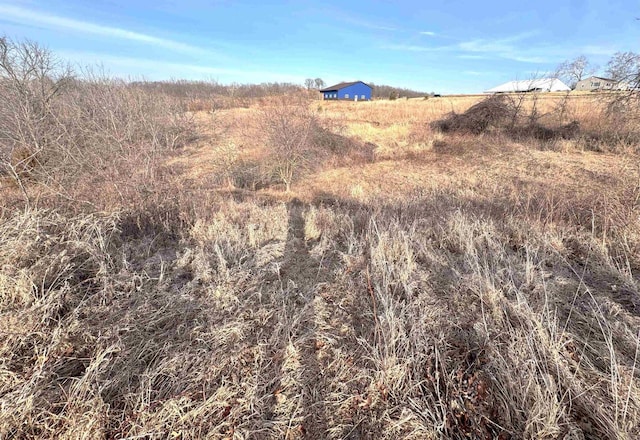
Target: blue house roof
x=342 y=86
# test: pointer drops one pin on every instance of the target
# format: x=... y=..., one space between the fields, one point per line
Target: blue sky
x=445 y=46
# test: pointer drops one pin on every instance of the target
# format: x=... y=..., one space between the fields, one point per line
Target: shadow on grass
x=301 y=276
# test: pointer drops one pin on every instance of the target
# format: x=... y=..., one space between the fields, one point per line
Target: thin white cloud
x=535 y=53
x=25 y=16
x=507 y=47
x=514 y=48
x=428 y=33
x=533 y=59
x=510 y=48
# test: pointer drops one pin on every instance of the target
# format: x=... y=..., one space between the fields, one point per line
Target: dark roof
x=342 y=86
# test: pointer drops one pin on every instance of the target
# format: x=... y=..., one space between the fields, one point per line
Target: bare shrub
x=225 y=160
x=56 y=128
x=251 y=175
x=300 y=141
x=31 y=82
x=291 y=131
x=619 y=126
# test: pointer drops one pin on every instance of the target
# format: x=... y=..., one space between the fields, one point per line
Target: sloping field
x=413 y=284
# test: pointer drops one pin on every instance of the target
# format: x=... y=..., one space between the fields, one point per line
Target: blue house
x=348 y=91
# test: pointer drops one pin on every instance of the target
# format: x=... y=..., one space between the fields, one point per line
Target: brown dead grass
x=456 y=286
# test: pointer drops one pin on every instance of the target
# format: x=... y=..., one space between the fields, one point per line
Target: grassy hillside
x=413 y=283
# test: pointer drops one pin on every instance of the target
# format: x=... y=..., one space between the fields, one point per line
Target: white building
x=531 y=85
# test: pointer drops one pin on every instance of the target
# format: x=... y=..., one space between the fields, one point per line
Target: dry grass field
x=415 y=282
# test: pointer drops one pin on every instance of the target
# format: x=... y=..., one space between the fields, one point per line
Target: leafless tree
x=290 y=128
x=309 y=83
x=622 y=107
x=319 y=83
x=624 y=67
x=573 y=71
x=31 y=82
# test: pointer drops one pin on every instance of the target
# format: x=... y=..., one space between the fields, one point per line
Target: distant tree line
x=390 y=92
x=311 y=83
x=187 y=89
